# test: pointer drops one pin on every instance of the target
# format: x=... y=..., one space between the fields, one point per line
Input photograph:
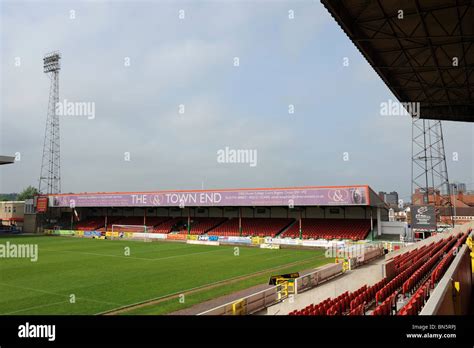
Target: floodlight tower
x=50 y=177
x=429 y=169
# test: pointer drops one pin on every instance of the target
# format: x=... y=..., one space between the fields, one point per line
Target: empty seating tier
x=97 y=223
x=262 y=227
x=175 y=224
x=354 y=229
x=200 y=225
x=91 y=223
x=418 y=271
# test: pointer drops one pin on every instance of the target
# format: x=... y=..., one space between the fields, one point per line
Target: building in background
x=12 y=214
x=389 y=198
x=457 y=187
x=462 y=200
x=29 y=222
x=434 y=197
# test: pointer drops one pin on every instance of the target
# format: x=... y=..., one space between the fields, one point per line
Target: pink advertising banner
x=329 y=196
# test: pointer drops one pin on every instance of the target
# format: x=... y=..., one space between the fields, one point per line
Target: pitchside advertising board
x=423 y=217
x=326 y=196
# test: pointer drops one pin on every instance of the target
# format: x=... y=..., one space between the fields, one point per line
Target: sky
x=168 y=96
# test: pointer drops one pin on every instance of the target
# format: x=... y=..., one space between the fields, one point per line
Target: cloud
x=190 y=62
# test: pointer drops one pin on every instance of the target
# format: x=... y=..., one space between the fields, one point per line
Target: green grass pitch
x=90 y=276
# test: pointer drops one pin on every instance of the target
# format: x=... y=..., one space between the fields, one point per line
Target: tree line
x=28 y=193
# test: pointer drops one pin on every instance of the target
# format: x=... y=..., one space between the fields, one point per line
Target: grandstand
x=330 y=253
x=411 y=278
x=202 y=225
x=90 y=224
x=315 y=212
x=261 y=227
x=354 y=229
x=433 y=277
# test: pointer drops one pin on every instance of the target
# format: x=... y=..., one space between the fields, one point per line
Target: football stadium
x=214 y=251
x=153 y=248
x=247 y=234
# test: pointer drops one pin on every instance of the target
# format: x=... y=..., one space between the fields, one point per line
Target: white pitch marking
x=58 y=294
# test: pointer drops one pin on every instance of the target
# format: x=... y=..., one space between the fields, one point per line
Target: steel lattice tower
x=50 y=177
x=429 y=168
